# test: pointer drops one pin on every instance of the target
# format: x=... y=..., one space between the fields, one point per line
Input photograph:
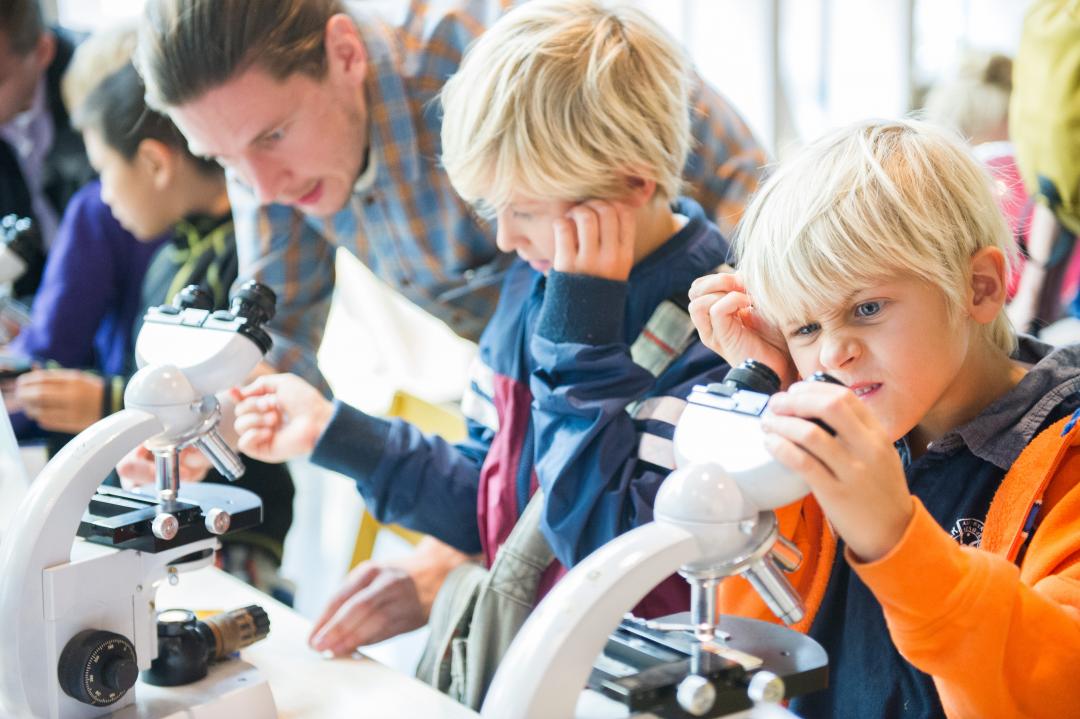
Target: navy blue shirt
x=955 y=479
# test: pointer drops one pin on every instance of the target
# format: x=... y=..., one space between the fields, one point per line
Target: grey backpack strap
x=477 y=613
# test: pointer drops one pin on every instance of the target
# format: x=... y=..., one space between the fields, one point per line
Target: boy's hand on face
x=279 y=417
x=728 y=325
x=596 y=238
x=856 y=476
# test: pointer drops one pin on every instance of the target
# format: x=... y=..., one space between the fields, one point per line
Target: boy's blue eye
x=807 y=330
x=275 y=136
x=863 y=310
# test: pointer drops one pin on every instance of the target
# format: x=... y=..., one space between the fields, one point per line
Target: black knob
x=824 y=377
x=193 y=296
x=255 y=302
x=120 y=674
x=754 y=376
x=183 y=650
x=98 y=667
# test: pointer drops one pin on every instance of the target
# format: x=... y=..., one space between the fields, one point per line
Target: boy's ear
x=639 y=191
x=988 y=288
x=346 y=55
x=158 y=161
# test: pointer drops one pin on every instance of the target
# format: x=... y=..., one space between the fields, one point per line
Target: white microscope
x=713 y=520
x=20 y=251
x=79 y=565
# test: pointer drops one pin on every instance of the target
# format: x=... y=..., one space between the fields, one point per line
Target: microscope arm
x=548 y=664
x=41 y=536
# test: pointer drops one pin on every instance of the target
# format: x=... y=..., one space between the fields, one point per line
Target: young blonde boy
x=568 y=124
x=878 y=255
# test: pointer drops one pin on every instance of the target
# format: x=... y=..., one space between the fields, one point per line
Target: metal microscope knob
x=696 y=695
x=218 y=521
x=765 y=687
x=165 y=526
x=97 y=667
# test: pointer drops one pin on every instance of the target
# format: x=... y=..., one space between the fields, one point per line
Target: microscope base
x=232 y=689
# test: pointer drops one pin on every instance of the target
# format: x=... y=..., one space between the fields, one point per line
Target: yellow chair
x=430 y=419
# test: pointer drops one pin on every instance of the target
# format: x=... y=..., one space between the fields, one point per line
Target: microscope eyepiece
x=193 y=297
x=255 y=302
x=753 y=376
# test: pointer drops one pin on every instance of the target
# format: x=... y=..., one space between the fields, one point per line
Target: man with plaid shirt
x=323 y=116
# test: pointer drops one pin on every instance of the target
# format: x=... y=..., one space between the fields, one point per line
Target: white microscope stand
x=54 y=585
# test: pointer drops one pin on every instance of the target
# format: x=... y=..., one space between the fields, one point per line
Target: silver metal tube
x=167 y=474
x=217 y=450
x=775 y=590
x=703 y=615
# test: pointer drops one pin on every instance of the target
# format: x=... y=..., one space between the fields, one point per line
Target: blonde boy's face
x=526 y=226
x=893 y=344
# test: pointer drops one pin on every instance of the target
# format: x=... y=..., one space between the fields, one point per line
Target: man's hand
x=596 y=239
x=137 y=467
x=856 y=475
x=279 y=417
x=380 y=600
x=728 y=325
x=60 y=400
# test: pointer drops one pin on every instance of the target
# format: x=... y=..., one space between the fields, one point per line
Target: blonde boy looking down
x=568 y=123
x=878 y=255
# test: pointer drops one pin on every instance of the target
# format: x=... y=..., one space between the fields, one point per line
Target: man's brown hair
x=188 y=47
x=21 y=21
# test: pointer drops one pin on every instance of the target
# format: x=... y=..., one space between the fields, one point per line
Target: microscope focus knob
x=696 y=695
x=218 y=521
x=165 y=526
x=98 y=667
x=765 y=687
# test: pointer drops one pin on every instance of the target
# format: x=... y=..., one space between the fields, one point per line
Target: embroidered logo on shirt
x=968 y=532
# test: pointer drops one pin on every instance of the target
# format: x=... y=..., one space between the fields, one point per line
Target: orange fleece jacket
x=999 y=640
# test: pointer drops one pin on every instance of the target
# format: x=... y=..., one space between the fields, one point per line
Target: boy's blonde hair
x=564 y=99
x=867 y=203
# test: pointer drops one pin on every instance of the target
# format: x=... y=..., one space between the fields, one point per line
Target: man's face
x=527 y=226
x=298 y=142
x=894 y=345
x=20 y=73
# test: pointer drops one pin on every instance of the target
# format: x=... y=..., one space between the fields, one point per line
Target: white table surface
x=304 y=684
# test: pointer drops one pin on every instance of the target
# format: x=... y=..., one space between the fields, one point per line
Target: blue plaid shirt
x=408 y=225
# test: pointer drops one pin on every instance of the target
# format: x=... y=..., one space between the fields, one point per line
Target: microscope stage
x=122 y=519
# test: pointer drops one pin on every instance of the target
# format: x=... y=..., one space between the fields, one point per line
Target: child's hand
x=60 y=400
x=138 y=467
x=727 y=324
x=596 y=239
x=279 y=417
x=856 y=476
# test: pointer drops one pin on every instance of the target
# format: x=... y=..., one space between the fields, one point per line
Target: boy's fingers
x=357 y=579
x=588 y=233
x=260 y=386
x=565 y=244
x=719 y=282
x=609 y=233
x=801 y=461
x=833 y=405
